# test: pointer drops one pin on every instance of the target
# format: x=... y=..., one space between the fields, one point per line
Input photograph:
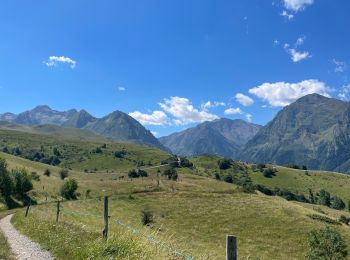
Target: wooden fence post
x=58 y=210
x=231 y=248
x=28 y=206
x=105 y=230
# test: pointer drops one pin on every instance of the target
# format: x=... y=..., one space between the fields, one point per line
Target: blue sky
x=172 y=64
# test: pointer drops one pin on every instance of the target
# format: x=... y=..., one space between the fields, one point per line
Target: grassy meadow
x=192 y=216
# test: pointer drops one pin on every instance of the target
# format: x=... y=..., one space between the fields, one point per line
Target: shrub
x=171 y=173
x=64 y=173
x=344 y=219
x=22 y=183
x=261 y=167
x=269 y=172
x=264 y=190
x=337 y=203
x=224 y=164
x=146 y=217
x=47 y=173
x=6 y=183
x=119 y=154
x=69 y=188
x=228 y=178
x=184 y=162
x=326 y=244
x=137 y=173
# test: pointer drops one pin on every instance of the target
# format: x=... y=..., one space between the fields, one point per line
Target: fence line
x=129 y=228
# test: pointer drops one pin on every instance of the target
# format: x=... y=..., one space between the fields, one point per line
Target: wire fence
x=130 y=229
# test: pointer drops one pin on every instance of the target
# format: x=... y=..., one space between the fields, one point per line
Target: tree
x=56 y=152
x=6 y=183
x=337 y=203
x=47 y=173
x=64 y=173
x=326 y=244
x=69 y=188
x=311 y=197
x=324 y=198
x=224 y=164
x=171 y=173
x=269 y=172
x=22 y=183
x=261 y=167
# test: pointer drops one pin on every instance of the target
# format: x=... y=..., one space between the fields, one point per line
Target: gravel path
x=21 y=245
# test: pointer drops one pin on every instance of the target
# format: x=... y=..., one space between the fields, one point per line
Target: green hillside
x=192 y=216
x=77 y=154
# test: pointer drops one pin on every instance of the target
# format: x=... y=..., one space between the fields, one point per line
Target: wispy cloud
x=233 y=111
x=121 y=88
x=340 y=66
x=55 y=60
x=210 y=104
x=297 y=56
x=244 y=100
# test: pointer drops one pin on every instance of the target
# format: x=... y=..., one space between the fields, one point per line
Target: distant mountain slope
x=117 y=125
x=314 y=131
x=79 y=119
x=122 y=127
x=54 y=130
x=222 y=137
x=41 y=115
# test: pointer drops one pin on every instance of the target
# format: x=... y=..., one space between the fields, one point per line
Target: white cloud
x=300 y=41
x=209 y=104
x=297 y=56
x=244 y=100
x=121 y=88
x=249 y=117
x=55 y=60
x=344 y=92
x=289 y=16
x=156 y=118
x=283 y=93
x=297 y=5
x=184 y=112
x=340 y=66
x=154 y=133
x=276 y=42
x=233 y=111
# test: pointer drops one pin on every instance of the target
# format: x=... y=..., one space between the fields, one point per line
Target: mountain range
x=116 y=126
x=224 y=137
x=313 y=131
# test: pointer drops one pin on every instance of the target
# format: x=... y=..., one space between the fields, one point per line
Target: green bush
x=69 y=189
x=326 y=244
x=344 y=219
x=22 y=182
x=171 y=173
x=64 y=173
x=146 y=217
x=47 y=173
x=224 y=164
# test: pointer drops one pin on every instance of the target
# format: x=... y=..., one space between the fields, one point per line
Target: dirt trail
x=22 y=246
